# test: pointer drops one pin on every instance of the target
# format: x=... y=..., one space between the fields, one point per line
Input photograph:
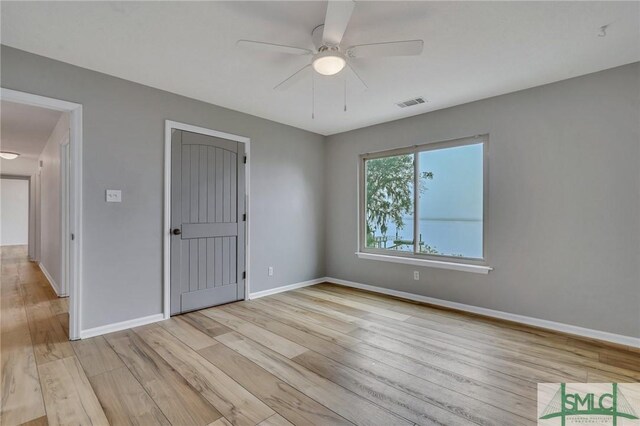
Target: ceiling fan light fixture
x=329 y=62
x=9 y=155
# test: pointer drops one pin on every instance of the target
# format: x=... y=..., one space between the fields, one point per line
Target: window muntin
x=446 y=216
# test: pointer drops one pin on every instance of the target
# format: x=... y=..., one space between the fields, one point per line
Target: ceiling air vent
x=412 y=102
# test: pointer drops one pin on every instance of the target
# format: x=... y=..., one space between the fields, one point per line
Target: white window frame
x=416 y=258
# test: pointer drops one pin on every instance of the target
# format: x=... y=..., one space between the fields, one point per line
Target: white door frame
x=75 y=196
x=37 y=228
x=168 y=126
x=64 y=216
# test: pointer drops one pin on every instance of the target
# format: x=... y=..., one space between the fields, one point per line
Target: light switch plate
x=114 y=196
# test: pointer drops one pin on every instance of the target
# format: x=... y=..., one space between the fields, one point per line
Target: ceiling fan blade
x=336 y=21
x=353 y=70
x=291 y=80
x=390 y=48
x=275 y=48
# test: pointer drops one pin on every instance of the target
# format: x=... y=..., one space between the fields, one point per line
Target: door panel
x=209 y=230
x=207 y=258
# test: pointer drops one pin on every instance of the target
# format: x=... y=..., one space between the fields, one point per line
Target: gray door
x=207 y=221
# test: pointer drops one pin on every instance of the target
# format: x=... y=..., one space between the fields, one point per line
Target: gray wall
x=18 y=167
x=564 y=202
x=123 y=149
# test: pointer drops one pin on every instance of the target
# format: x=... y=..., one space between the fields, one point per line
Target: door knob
x=176 y=231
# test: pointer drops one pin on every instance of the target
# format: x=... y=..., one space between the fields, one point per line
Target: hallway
x=34 y=333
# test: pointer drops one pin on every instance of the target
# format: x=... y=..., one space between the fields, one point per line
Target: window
x=425 y=201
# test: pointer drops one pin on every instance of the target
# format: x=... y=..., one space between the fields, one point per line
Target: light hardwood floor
x=321 y=355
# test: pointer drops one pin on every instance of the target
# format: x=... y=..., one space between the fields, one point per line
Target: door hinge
x=244 y=275
x=73 y=237
x=244 y=217
x=245 y=159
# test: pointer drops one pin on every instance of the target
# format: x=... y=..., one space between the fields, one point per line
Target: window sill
x=466 y=267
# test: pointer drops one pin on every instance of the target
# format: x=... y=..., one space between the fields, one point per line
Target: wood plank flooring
x=324 y=355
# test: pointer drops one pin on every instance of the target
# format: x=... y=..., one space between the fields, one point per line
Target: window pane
x=450 y=201
x=389 y=203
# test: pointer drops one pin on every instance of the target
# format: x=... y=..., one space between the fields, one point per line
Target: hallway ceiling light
x=9 y=155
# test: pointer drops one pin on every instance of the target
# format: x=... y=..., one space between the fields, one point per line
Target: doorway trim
x=170 y=125
x=65 y=246
x=74 y=260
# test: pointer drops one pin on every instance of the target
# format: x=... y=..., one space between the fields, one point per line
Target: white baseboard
x=277 y=290
x=137 y=322
x=118 y=326
x=47 y=275
x=536 y=322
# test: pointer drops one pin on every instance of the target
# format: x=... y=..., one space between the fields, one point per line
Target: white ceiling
x=24 y=129
x=473 y=50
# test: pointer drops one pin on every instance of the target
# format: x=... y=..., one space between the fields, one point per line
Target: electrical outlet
x=270 y=271
x=416 y=275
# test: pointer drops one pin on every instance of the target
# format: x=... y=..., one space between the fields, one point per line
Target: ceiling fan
x=330 y=57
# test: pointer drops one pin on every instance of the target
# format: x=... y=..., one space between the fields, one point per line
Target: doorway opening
x=44 y=139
